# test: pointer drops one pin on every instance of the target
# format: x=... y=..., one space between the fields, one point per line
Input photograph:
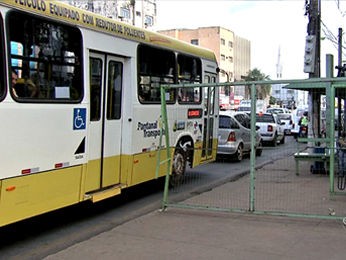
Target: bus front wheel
x=179 y=166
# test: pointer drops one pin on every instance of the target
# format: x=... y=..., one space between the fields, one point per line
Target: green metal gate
x=272 y=188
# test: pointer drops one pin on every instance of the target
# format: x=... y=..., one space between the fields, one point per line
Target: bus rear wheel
x=179 y=166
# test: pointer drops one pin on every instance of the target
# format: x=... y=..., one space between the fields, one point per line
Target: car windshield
x=275 y=110
x=265 y=118
x=284 y=116
x=244 y=108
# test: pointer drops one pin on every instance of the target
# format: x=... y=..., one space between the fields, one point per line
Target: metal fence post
x=253 y=150
x=165 y=128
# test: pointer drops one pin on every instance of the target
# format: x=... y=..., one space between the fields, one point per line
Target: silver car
x=235 y=135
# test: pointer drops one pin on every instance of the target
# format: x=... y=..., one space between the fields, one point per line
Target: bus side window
x=155 y=68
x=95 y=88
x=115 y=73
x=48 y=57
x=190 y=71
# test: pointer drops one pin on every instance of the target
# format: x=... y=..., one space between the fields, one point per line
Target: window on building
x=223 y=57
x=125 y=13
x=223 y=42
x=230 y=44
x=194 y=41
x=149 y=20
x=138 y=13
x=230 y=59
x=97 y=9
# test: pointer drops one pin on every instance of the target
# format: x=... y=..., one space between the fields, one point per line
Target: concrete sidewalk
x=197 y=234
x=185 y=234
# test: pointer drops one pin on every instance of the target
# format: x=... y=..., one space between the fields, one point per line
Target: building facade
x=139 y=13
x=242 y=57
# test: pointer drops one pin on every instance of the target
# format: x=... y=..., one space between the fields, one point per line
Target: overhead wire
x=329 y=35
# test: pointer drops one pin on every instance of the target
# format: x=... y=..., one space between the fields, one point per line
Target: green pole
x=253 y=152
x=158 y=161
x=331 y=92
x=165 y=128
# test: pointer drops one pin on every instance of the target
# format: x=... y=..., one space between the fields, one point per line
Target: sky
x=269 y=25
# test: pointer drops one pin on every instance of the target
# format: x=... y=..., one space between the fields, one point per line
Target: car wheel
x=179 y=166
x=239 y=154
x=259 y=149
x=275 y=140
x=282 y=140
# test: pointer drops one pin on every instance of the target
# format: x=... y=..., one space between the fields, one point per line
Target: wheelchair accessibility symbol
x=79 y=118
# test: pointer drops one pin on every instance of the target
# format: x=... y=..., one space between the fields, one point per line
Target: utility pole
x=341 y=73
x=313 y=43
x=340 y=67
x=312 y=62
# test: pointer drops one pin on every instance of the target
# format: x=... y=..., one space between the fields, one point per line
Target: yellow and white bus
x=80 y=106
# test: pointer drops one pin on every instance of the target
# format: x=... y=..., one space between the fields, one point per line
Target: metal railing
x=325 y=86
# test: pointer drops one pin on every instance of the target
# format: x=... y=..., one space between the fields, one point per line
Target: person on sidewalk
x=303 y=125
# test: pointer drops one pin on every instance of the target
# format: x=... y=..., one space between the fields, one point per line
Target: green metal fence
x=271 y=186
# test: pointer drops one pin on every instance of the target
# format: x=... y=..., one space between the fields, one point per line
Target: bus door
x=106 y=79
x=209 y=117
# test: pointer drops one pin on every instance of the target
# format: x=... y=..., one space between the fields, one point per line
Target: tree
x=263 y=90
x=272 y=100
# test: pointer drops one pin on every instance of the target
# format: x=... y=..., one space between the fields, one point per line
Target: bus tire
x=179 y=166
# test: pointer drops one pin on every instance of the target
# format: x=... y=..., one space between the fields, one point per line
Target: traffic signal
x=309 y=57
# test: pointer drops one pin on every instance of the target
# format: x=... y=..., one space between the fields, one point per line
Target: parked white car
x=277 y=110
x=245 y=105
x=288 y=120
x=271 y=128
